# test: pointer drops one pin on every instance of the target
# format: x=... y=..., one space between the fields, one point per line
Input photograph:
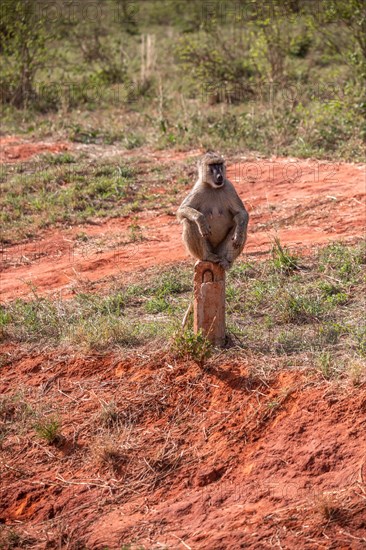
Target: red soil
x=249 y=463
x=216 y=458
x=15 y=149
x=303 y=202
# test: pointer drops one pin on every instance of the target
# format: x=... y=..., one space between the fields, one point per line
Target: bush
x=223 y=74
x=23 y=41
x=187 y=345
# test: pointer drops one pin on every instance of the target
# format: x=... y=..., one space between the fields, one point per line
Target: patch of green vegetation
x=187 y=345
x=4 y=320
x=278 y=85
x=157 y=305
x=283 y=260
x=330 y=333
x=360 y=334
x=271 y=312
x=92 y=304
x=170 y=283
x=135 y=232
x=45 y=192
x=49 y=429
x=63 y=158
x=291 y=341
x=299 y=312
x=107 y=331
x=63 y=192
x=342 y=262
x=325 y=364
x=301 y=309
x=333 y=294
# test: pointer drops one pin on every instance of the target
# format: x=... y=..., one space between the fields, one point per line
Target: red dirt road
x=303 y=202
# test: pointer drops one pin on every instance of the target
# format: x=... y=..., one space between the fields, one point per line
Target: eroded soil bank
x=206 y=458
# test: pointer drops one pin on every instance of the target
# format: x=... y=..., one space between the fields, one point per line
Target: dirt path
x=303 y=202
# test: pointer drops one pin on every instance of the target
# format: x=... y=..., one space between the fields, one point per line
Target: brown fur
x=214 y=220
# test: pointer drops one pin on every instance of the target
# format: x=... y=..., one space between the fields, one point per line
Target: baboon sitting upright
x=214 y=218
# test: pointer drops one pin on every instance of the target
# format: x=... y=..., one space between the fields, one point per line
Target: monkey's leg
x=197 y=245
x=226 y=250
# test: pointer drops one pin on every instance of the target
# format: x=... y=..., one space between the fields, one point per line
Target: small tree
x=23 y=41
x=352 y=16
x=273 y=28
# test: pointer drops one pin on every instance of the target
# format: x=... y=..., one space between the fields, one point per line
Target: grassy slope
x=302 y=311
x=68 y=189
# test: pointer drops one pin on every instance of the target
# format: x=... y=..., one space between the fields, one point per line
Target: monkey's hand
x=237 y=239
x=203 y=227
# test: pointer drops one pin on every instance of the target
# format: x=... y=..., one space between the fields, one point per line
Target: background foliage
x=277 y=77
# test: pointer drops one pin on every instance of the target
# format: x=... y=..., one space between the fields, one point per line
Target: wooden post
x=209 y=301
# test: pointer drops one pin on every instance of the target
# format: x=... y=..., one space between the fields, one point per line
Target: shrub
x=191 y=346
x=23 y=40
x=222 y=72
x=157 y=305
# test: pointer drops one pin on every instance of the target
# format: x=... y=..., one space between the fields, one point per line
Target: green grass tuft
x=283 y=260
x=49 y=430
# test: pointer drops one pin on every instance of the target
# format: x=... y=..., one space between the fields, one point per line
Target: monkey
x=214 y=218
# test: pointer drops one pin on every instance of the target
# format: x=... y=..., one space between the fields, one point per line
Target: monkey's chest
x=220 y=223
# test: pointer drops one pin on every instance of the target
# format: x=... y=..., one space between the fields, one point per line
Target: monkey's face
x=216 y=175
x=212 y=170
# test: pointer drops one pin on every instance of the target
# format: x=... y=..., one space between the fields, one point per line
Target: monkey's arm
x=241 y=218
x=193 y=215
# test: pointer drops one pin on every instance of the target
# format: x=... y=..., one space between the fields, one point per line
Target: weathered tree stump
x=209 y=301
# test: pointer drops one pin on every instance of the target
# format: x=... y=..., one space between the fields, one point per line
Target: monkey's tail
x=186 y=315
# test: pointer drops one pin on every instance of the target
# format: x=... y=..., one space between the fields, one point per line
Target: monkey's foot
x=211 y=258
x=225 y=264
